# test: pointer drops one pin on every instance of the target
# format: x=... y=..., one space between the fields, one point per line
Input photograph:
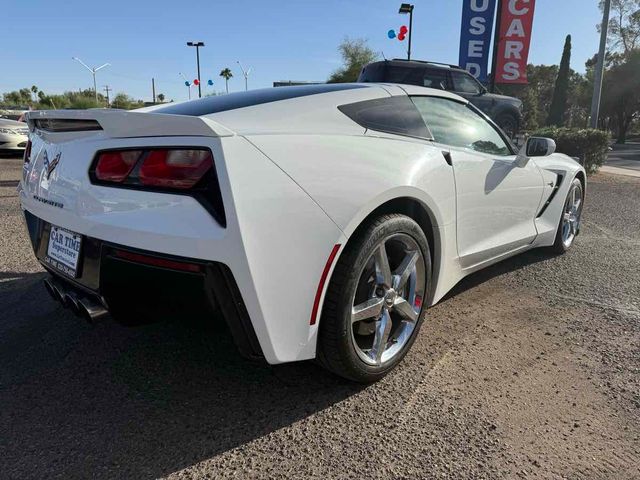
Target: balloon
x=391 y=34
x=209 y=82
x=196 y=82
x=401 y=36
x=187 y=84
x=404 y=29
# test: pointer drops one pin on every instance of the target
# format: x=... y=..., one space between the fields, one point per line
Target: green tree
x=34 y=90
x=161 y=97
x=561 y=90
x=623 y=34
x=621 y=96
x=355 y=53
x=226 y=74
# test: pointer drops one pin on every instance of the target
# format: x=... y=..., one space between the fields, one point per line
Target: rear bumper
x=117 y=276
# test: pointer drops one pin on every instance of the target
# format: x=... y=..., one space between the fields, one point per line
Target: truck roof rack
x=427 y=62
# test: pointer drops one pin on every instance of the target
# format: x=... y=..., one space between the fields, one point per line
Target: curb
x=620 y=171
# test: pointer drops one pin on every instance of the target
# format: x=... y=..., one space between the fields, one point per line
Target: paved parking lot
x=528 y=369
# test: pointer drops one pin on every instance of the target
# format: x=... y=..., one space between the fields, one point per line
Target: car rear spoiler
x=123 y=123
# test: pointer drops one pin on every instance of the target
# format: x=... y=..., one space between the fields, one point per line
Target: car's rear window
x=232 y=101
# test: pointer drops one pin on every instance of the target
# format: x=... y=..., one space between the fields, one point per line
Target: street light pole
x=197 y=45
x=246 y=75
x=93 y=72
x=597 y=85
x=408 y=8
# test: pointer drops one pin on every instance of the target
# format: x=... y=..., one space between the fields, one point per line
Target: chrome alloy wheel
x=571 y=215
x=388 y=299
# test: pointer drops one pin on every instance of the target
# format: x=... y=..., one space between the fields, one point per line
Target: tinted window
x=392 y=114
x=232 y=101
x=454 y=123
x=465 y=83
x=435 y=78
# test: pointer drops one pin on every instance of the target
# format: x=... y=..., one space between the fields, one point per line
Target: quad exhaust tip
x=81 y=306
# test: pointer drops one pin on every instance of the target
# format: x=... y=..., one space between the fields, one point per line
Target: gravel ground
x=528 y=369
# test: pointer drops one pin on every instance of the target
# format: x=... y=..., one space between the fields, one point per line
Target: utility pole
x=597 y=84
x=197 y=45
x=93 y=72
x=496 y=44
x=108 y=89
x=153 y=88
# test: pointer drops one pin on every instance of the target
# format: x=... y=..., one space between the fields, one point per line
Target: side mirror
x=535 y=147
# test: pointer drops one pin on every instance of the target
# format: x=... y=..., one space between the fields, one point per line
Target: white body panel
x=297 y=177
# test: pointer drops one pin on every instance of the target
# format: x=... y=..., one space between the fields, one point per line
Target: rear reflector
x=158 y=262
x=323 y=280
x=115 y=166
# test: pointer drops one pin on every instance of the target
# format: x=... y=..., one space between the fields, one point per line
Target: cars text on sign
x=515 y=35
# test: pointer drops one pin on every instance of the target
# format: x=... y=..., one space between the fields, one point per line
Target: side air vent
x=66 y=125
x=553 y=194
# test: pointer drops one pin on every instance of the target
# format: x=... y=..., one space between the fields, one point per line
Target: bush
x=589 y=145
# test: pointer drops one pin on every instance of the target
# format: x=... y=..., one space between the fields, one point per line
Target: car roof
x=7 y=122
x=399 y=62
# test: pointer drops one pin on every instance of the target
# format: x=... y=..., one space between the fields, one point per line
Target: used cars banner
x=516 y=20
x=475 y=36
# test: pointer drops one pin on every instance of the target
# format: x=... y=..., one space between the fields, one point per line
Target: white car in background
x=13 y=135
x=321 y=220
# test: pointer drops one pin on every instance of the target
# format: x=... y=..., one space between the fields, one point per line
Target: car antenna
x=385 y=58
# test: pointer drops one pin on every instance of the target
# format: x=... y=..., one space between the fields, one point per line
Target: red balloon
x=196 y=82
x=403 y=29
x=401 y=36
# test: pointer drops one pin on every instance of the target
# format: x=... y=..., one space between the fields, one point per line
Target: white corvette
x=321 y=220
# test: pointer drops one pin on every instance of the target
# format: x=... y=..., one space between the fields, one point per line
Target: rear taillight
x=27 y=152
x=175 y=168
x=116 y=166
x=171 y=168
x=188 y=171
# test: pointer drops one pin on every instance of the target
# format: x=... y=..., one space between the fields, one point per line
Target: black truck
x=505 y=111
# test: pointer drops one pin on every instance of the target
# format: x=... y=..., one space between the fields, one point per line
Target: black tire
x=508 y=123
x=559 y=245
x=336 y=350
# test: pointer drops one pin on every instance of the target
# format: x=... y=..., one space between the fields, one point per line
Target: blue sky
x=281 y=40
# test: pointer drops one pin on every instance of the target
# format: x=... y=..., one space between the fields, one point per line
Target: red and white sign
x=515 y=35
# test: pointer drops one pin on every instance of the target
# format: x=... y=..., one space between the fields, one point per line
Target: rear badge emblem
x=50 y=166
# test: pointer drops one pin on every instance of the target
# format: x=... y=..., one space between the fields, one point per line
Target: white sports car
x=321 y=220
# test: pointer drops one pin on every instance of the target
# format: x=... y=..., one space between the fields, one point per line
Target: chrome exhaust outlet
x=90 y=310
x=71 y=302
x=50 y=290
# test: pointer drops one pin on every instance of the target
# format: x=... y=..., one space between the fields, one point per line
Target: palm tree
x=34 y=90
x=161 y=97
x=226 y=73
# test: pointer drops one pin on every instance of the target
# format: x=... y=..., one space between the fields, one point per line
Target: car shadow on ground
x=111 y=401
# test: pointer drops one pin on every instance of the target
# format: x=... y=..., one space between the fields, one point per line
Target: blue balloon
x=391 y=34
x=209 y=82
x=187 y=84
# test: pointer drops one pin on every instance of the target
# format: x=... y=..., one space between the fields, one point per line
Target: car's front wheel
x=374 y=303
x=569 y=225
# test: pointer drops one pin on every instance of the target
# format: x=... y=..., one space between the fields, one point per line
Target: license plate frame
x=63 y=250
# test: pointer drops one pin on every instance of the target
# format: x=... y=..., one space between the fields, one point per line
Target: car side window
x=464 y=83
x=456 y=124
x=396 y=115
x=435 y=78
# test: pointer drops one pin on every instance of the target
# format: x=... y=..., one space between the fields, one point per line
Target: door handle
x=447 y=157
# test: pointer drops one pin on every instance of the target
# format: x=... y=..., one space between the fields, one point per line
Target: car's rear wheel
x=569 y=225
x=374 y=302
